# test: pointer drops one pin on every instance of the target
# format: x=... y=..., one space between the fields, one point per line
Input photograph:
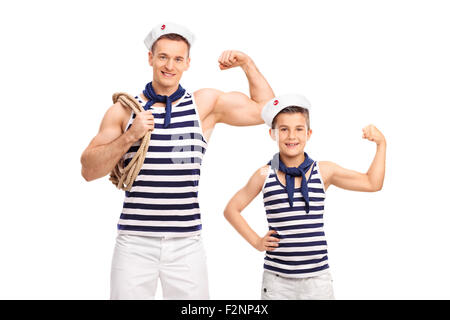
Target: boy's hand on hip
x=232 y=58
x=371 y=133
x=267 y=243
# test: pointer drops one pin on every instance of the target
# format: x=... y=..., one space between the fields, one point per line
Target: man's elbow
x=376 y=188
x=85 y=172
x=86 y=175
x=258 y=120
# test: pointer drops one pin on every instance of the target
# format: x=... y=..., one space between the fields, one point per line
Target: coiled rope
x=123 y=178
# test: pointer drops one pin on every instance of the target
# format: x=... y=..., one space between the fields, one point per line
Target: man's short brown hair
x=171 y=36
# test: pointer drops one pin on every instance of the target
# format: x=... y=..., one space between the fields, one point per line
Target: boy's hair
x=293 y=109
x=171 y=36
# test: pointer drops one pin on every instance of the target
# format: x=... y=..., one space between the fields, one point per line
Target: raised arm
x=239 y=202
x=236 y=108
x=370 y=181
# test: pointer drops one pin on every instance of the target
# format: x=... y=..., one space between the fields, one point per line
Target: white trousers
x=139 y=261
x=276 y=287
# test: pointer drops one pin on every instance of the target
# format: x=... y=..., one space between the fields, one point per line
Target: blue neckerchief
x=152 y=97
x=291 y=173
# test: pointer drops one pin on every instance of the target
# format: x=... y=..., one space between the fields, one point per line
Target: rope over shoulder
x=123 y=178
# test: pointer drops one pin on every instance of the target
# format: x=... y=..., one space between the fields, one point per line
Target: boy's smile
x=292 y=145
x=291 y=132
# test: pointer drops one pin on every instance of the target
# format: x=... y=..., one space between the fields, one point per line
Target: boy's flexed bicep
x=333 y=174
x=347 y=179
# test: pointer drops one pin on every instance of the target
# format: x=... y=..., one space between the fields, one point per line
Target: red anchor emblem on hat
x=163 y=27
x=275 y=102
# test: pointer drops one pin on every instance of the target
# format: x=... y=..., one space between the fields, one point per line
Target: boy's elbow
x=229 y=212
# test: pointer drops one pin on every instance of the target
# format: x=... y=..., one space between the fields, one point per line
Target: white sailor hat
x=166 y=28
x=274 y=106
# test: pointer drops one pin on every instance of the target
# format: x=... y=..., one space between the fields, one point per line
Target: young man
x=293 y=185
x=159 y=228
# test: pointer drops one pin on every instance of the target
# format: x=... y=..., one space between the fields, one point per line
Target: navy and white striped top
x=302 y=250
x=163 y=200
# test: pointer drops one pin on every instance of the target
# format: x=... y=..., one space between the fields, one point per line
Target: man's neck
x=292 y=162
x=163 y=90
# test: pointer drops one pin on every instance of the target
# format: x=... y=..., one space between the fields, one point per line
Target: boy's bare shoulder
x=325 y=164
x=259 y=176
x=264 y=170
x=326 y=168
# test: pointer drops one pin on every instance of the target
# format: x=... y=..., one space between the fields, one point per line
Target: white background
x=358 y=62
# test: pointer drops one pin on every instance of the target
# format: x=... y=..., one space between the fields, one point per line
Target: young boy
x=294 y=185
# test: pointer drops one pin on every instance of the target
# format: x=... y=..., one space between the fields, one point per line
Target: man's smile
x=167 y=74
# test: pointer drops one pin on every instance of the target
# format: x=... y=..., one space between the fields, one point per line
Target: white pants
x=276 y=287
x=179 y=263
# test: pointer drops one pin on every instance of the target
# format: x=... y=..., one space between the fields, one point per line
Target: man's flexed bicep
x=236 y=108
x=233 y=108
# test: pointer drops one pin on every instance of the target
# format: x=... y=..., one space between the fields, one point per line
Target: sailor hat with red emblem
x=274 y=106
x=166 y=28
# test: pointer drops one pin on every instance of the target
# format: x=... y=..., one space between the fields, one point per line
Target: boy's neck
x=291 y=162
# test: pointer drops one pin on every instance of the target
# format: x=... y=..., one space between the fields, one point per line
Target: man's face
x=169 y=60
x=291 y=133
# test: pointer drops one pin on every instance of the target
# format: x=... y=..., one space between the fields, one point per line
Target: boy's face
x=291 y=133
x=169 y=60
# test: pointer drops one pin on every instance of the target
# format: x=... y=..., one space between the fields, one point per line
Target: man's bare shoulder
x=206 y=98
x=118 y=114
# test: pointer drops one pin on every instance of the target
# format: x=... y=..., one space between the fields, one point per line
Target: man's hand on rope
x=143 y=123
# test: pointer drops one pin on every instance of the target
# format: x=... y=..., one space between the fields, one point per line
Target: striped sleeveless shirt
x=302 y=250
x=163 y=201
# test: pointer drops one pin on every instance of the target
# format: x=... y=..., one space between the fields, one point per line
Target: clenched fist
x=371 y=133
x=143 y=123
x=232 y=58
